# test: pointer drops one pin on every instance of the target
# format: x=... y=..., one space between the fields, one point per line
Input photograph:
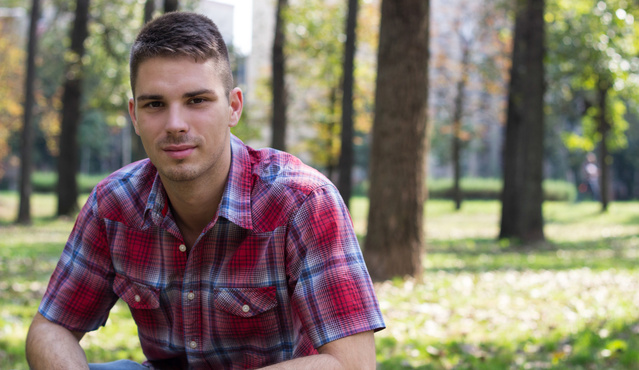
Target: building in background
x=224 y=14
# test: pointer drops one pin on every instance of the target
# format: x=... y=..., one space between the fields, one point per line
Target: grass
x=569 y=303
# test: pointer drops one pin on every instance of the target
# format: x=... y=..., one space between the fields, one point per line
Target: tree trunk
x=26 y=162
x=149 y=8
x=135 y=144
x=345 y=184
x=71 y=115
x=458 y=115
x=171 y=5
x=395 y=238
x=522 y=195
x=279 y=83
x=603 y=127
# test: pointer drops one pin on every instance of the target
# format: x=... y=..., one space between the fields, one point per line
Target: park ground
x=569 y=303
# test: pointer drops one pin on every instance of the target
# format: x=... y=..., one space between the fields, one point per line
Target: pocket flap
x=136 y=295
x=245 y=302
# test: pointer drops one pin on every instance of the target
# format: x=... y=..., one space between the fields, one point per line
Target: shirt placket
x=192 y=305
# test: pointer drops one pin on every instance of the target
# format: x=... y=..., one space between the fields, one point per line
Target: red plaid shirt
x=275 y=275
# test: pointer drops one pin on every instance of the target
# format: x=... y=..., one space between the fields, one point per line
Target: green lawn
x=569 y=303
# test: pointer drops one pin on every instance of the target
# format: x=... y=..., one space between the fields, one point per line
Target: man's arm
x=353 y=352
x=51 y=346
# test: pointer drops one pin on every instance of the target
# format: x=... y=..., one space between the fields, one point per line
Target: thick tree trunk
x=71 y=115
x=522 y=195
x=26 y=162
x=395 y=239
x=345 y=184
x=279 y=83
x=603 y=127
x=171 y=5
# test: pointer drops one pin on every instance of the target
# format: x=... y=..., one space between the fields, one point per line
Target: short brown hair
x=181 y=34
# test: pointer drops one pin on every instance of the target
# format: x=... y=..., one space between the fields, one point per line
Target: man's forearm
x=321 y=361
x=353 y=352
x=51 y=346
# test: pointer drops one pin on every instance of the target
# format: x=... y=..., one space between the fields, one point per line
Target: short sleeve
x=331 y=288
x=80 y=294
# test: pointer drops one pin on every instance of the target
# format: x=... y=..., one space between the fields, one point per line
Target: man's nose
x=176 y=122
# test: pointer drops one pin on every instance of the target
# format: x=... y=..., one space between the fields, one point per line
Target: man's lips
x=178 y=151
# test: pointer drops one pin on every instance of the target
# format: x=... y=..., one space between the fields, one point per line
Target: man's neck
x=194 y=205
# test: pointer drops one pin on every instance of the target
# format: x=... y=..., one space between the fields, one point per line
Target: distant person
x=228 y=257
x=591 y=172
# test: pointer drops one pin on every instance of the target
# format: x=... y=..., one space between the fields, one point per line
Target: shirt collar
x=236 y=199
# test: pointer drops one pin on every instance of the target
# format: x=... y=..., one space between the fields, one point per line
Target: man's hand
x=51 y=346
x=353 y=352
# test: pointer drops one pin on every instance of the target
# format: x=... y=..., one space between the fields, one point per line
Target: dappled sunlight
x=481 y=304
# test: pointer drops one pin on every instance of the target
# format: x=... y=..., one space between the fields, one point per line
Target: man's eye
x=154 y=104
x=197 y=100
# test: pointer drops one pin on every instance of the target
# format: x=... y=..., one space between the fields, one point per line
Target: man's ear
x=236 y=103
x=132 y=114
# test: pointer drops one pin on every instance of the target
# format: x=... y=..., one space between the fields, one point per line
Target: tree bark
x=395 y=240
x=522 y=195
x=26 y=150
x=279 y=84
x=71 y=114
x=171 y=5
x=345 y=184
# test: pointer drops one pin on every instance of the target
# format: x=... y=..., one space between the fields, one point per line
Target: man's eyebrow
x=150 y=97
x=198 y=92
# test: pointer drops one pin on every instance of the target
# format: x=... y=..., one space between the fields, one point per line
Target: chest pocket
x=154 y=324
x=137 y=296
x=245 y=302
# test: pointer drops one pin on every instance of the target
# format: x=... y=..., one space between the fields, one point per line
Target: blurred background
x=508 y=133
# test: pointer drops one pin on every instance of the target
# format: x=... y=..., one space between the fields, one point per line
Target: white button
x=246 y=308
x=137 y=298
x=193 y=344
x=182 y=248
x=190 y=296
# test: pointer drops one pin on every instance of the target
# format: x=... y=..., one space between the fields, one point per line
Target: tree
x=137 y=150
x=26 y=149
x=279 y=83
x=395 y=238
x=458 y=113
x=171 y=5
x=346 y=160
x=593 y=76
x=11 y=89
x=522 y=195
x=149 y=8
x=71 y=113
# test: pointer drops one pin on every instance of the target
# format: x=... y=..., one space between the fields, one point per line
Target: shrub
x=490 y=188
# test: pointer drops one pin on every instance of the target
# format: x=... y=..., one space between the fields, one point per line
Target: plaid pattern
x=275 y=275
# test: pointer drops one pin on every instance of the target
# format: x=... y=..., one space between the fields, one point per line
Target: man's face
x=183 y=116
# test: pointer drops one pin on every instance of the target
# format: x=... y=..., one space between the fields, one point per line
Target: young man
x=228 y=257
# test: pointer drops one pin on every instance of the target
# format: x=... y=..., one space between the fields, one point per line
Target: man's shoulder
x=273 y=169
x=124 y=193
x=281 y=184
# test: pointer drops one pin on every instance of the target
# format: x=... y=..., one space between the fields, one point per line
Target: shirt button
x=137 y=298
x=246 y=308
x=182 y=248
x=190 y=296
x=193 y=344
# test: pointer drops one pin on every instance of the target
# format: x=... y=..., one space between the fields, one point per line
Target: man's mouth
x=178 y=151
